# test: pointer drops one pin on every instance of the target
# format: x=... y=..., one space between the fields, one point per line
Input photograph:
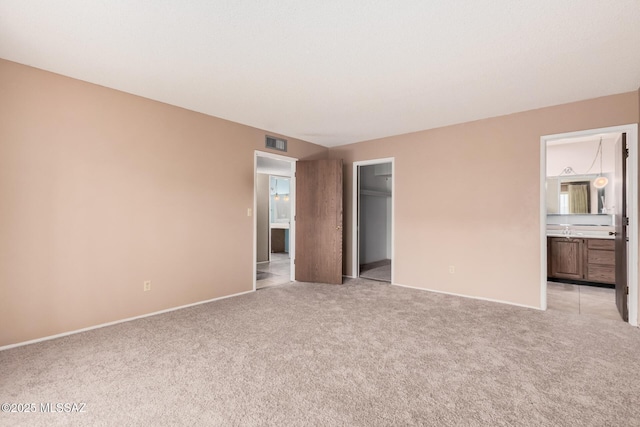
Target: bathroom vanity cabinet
x=590 y=260
x=565 y=258
x=601 y=261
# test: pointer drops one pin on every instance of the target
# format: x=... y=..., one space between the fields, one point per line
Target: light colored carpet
x=363 y=354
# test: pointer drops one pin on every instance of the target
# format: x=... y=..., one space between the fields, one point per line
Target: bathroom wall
x=580 y=156
x=262 y=217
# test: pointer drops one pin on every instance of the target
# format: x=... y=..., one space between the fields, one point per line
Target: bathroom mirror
x=575 y=194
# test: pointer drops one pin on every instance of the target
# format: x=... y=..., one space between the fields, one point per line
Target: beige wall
x=101 y=190
x=468 y=196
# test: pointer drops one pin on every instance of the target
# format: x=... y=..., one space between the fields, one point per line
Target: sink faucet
x=567 y=231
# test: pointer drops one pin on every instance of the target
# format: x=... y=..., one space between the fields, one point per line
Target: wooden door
x=319 y=221
x=567 y=258
x=621 y=223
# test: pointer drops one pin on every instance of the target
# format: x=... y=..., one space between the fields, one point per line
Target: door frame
x=292 y=225
x=632 y=211
x=355 y=236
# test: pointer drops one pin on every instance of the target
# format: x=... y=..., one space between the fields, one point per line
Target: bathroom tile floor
x=273 y=273
x=581 y=299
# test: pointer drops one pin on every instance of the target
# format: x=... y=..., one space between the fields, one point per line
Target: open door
x=319 y=221
x=621 y=224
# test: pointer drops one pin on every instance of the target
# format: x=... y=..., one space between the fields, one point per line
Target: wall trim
x=292 y=225
x=115 y=322
x=469 y=296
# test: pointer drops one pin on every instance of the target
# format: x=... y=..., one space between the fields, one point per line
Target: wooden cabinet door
x=567 y=258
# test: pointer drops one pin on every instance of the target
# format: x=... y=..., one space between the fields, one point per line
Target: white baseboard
x=469 y=296
x=128 y=319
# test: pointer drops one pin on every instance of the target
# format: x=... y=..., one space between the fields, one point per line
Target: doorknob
x=613 y=233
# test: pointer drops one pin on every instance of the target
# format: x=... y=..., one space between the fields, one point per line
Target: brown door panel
x=319 y=221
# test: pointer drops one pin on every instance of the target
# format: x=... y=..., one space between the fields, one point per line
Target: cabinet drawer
x=601 y=273
x=601 y=257
x=605 y=244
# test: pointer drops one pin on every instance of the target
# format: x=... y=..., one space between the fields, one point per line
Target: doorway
x=373 y=219
x=582 y=206
x=274 y=220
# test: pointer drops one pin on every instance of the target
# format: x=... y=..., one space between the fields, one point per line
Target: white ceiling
x=335 y=71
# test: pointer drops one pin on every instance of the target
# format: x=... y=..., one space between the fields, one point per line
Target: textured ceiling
x=335 y=72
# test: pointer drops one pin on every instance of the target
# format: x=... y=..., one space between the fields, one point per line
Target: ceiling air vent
x=276 y=143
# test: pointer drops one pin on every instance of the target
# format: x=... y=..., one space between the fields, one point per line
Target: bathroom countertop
x=582 y=235
x=581 y=232
x=281 y=225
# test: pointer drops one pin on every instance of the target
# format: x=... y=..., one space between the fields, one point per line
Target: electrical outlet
x=452 y=269
x=146 y=286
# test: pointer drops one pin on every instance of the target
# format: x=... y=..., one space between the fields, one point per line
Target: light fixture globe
x=600 y=182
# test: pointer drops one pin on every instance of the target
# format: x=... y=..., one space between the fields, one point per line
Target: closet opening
x=373 y=220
